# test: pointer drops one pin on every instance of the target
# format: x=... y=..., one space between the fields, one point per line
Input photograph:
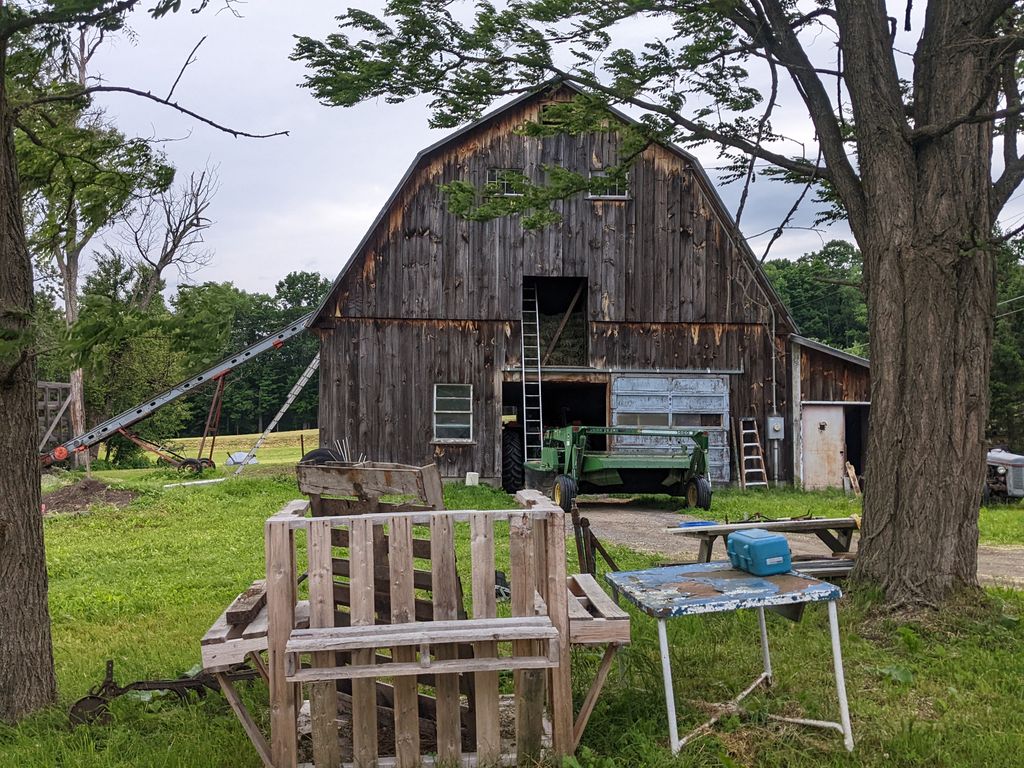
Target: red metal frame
x=212 y=428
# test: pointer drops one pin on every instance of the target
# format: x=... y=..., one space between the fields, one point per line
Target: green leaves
x=897 y=674
x=820 y=290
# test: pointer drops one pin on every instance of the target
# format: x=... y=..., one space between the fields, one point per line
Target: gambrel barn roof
x=392 y=210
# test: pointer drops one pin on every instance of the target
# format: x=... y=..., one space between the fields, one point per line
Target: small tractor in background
x=571 y=463
x=1005 y=477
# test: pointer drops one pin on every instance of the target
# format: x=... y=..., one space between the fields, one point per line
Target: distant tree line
x=822 y=292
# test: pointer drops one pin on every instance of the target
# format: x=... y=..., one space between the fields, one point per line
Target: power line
x=1011 y=312
x=1010 y=301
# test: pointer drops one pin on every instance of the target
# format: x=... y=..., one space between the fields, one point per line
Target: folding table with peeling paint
x=692 y=590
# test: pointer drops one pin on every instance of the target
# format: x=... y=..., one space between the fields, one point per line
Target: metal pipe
x=837 y=662
x=764 y=645
x=666 y=676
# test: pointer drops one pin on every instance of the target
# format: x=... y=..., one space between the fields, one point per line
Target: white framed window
x=453 y=413
x=505 y=182
x=613 y=187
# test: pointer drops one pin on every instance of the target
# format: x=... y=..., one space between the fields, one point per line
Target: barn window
x=553 y=113
x=629 y=419
x=505 y=182
x=453 y=413
x=609 y=185
x=696 y=419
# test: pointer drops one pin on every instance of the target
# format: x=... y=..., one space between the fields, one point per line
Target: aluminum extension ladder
x=294 y=393
x=533 y=421
x=752 y=472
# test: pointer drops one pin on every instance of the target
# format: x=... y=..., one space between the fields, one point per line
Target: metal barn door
x=824 y=445
x=694 y=402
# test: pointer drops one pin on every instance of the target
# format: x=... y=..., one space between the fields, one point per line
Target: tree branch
x=801 y=169
x=188 y=60
x=792 y=212
x=74 y=95
x=64 y=18
x=760 y=133
x=786 y=47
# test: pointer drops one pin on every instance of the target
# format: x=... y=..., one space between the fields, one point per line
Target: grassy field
x=140 y=585
x=279 y=447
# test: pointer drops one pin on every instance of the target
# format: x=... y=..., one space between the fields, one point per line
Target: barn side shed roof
x=784 y=318
x=803 y=341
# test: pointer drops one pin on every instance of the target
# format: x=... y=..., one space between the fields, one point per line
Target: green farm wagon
x=577 y=460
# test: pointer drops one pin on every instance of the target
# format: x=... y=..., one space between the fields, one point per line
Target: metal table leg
x=837 y=661
x=670 y=701
x=764 y=647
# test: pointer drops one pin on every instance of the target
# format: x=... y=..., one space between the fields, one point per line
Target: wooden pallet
x=537 y=541
x=591 y=617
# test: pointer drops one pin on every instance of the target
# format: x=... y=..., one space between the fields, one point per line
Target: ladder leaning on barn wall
x=533 y=421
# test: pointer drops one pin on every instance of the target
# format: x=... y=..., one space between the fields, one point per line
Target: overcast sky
x=305 y=200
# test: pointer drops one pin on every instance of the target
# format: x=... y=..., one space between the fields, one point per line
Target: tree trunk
x=69 y=280
x=929 y=403
x=929 y=267
x=27 y=681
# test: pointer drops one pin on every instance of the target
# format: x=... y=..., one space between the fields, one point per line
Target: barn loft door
x=693 y=401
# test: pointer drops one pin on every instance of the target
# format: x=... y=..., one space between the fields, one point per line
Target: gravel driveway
x=644 y=530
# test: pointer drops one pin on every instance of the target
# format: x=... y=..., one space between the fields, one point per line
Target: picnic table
x=835 y=532
x=703 y=588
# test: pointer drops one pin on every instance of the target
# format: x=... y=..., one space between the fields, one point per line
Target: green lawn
x=142 y=584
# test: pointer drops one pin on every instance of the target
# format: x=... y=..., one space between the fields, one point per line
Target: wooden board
x=488 y=734
x=446 y=594
x=364 y=480
x=247 y=605
x=403 y=608
x=364 y=691
x=323 y=696
x=529 y=685
x=280 y=558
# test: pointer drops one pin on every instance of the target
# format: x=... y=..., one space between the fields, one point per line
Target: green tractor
x=570 y=464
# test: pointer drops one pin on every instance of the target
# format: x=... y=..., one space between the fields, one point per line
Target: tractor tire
x=207 y=464
x=320 y=456
x=191 y=465
x=698 y=493
x=563 y=492
x=513 y=474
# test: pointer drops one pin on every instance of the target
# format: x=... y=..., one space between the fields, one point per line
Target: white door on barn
x=693 y=401
x=824 y=446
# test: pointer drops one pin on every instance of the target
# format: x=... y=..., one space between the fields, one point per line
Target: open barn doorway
x=562 y=315
x=565 y=403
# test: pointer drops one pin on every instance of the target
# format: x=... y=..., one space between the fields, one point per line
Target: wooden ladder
x=752 y=472
x=533 y=422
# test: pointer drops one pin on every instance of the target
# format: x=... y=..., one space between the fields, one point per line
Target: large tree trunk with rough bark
x=925 y=229
x=26 y=658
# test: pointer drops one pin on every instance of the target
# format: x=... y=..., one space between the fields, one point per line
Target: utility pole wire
x=1010 y=301
x=1011 y=312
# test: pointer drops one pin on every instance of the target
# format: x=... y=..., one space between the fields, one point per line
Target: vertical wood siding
x=432 y=298
x=824 y=377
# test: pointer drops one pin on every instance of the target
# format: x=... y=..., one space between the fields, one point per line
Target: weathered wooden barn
x=653 y=310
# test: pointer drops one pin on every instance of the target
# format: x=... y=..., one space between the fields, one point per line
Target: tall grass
x=142 y=584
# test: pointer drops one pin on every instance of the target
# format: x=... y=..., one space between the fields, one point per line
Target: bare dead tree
x=167 y=230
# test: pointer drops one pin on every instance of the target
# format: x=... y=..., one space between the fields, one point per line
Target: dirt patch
x=83 y=494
